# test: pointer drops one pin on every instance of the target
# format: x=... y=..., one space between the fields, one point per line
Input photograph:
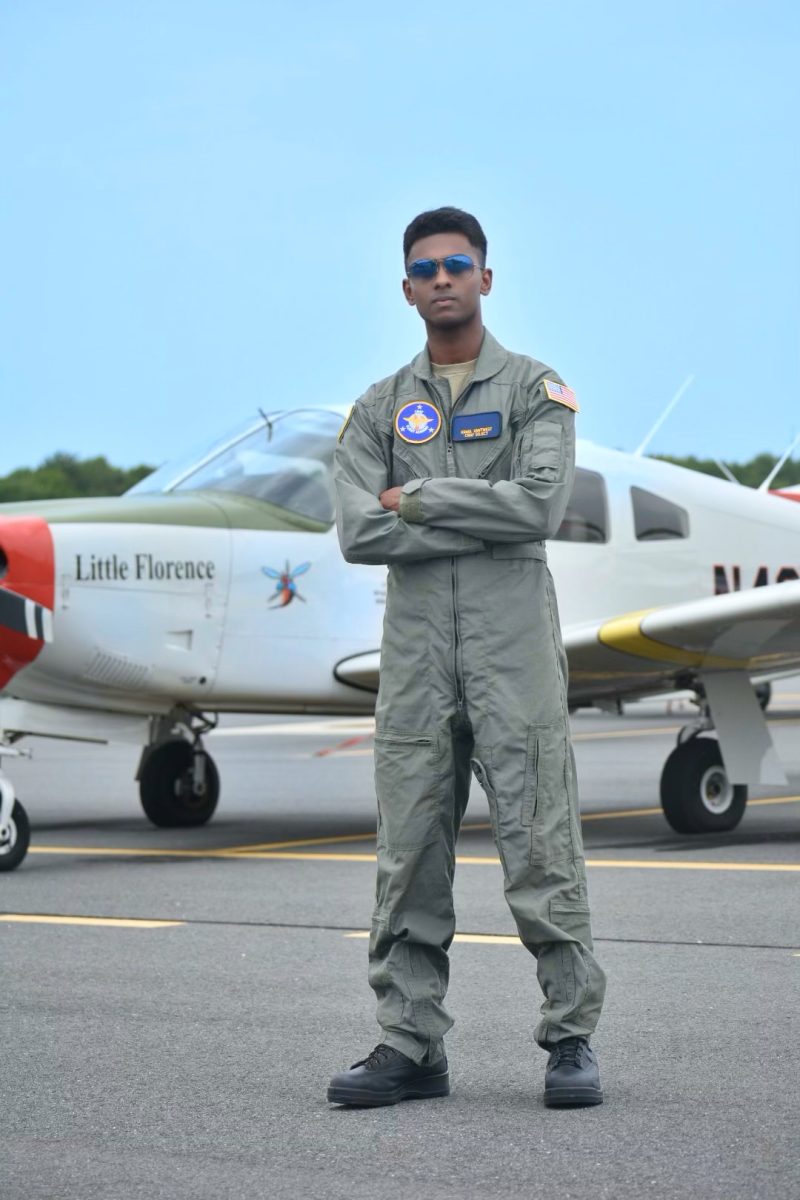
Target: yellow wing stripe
x=625 y=634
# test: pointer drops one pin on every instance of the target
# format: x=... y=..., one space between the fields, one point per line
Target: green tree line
x=751 y=474
x=64 y=475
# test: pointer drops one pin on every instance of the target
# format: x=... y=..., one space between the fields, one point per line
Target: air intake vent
x=114 y=670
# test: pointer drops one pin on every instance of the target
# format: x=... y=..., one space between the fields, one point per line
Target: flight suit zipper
x=458 y=671
x=458 y=665
x=450 y=466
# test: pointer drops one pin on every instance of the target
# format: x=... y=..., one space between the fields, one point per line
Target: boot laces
x=377 y=1057
x=569 y=1051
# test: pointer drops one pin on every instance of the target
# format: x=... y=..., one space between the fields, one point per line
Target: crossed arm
x=448 y=516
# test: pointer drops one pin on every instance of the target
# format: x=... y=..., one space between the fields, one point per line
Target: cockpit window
x=655 y=519
x=586 y=519
x=285 y=460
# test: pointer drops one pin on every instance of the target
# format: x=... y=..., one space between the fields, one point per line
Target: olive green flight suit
x=473 y=675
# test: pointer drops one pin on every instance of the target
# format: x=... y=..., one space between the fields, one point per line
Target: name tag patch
x=475 y=427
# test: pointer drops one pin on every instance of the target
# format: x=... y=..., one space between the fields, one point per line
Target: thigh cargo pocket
x=549 y=793
x=408 y=783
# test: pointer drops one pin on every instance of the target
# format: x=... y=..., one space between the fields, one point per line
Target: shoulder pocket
x=540 y=451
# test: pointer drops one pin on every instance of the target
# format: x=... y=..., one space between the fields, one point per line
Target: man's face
x=447 y=301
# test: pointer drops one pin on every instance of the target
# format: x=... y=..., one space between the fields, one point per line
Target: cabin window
x=586 y=518
x=656 y=519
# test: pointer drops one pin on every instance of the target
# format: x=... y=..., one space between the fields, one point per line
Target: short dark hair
x=445 y=220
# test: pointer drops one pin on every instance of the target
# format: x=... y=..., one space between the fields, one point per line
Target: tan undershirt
x=457 y=375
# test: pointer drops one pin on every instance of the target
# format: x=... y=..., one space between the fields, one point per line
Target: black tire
x=763 y=695
x=696 y=795
x=15 y=847
x=165 y=786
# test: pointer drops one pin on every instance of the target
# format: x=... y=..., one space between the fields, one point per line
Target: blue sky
x=203 y=203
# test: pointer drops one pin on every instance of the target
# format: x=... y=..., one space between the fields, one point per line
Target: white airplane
x=216 y=585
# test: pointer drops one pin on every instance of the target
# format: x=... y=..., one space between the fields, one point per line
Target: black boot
x=572 y=1076
x=386 y=1076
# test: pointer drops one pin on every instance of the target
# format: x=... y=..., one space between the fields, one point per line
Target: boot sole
x=572 y=1097
x=420 y=1089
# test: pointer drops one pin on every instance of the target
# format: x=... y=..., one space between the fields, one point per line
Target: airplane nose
x=27 y=592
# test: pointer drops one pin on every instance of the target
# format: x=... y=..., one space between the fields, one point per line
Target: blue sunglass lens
x=457 y=264
x=423 y=268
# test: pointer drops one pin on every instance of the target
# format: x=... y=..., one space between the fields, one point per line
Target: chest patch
x=418 y=421
x=475 y=427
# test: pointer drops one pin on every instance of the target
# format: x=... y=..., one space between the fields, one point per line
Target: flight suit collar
x=491 y=359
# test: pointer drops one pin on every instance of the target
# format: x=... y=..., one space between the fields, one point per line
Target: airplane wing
x=660 y=650
x=665 y=649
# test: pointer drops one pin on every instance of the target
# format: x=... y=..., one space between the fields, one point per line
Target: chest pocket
x=496 y=464
x=539 y=452
x=406 y=464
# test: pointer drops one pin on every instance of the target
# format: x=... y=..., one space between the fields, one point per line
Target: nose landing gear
x=15 y=830
x=178 y=780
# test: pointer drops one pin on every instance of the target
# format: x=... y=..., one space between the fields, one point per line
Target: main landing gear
x=696 y=794
x=178 y=779
x=15 y=830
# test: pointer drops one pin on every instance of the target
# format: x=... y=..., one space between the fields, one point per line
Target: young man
x=454 y=471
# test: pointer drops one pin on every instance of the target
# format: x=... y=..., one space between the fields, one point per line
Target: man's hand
x=391 y=499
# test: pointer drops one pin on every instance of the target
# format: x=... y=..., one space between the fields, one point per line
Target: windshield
x=285 y=460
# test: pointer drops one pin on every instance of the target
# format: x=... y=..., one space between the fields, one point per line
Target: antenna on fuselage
x=727 y=472
x=786 y=455
x=268 y=424
x=639 y=451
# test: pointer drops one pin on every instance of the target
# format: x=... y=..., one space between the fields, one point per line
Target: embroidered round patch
x=418 y=421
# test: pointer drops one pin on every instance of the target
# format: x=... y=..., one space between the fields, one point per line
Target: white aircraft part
x=280 y=646
x=744 y=737
x=72 y=724
x=139 y=609
x=361 y=671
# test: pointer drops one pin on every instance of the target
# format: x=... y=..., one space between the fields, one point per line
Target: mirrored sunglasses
x=428 y=268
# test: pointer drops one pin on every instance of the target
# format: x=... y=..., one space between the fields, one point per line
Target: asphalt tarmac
x=172 y=1015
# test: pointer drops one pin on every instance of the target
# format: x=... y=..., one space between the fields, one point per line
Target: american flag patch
x=561 y=394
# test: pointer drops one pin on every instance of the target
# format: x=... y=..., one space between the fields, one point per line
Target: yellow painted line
x=483 y=939
x=133 y=852
x=625 y=733
x=470 y=860
x=311 y=856
x=113 y=922
x=466 y=860
x=281 y=849
x=323 y=841
x=673 y=865
x=774 y=800
x=621 y=812
x=649 y=812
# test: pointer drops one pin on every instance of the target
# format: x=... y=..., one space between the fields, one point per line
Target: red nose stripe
x=26 y=557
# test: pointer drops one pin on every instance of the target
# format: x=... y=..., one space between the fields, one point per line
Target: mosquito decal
x=286 y=588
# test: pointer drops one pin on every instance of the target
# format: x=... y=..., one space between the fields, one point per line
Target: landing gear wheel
x=696 y=794
x=14 y=846
x=173 y=792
